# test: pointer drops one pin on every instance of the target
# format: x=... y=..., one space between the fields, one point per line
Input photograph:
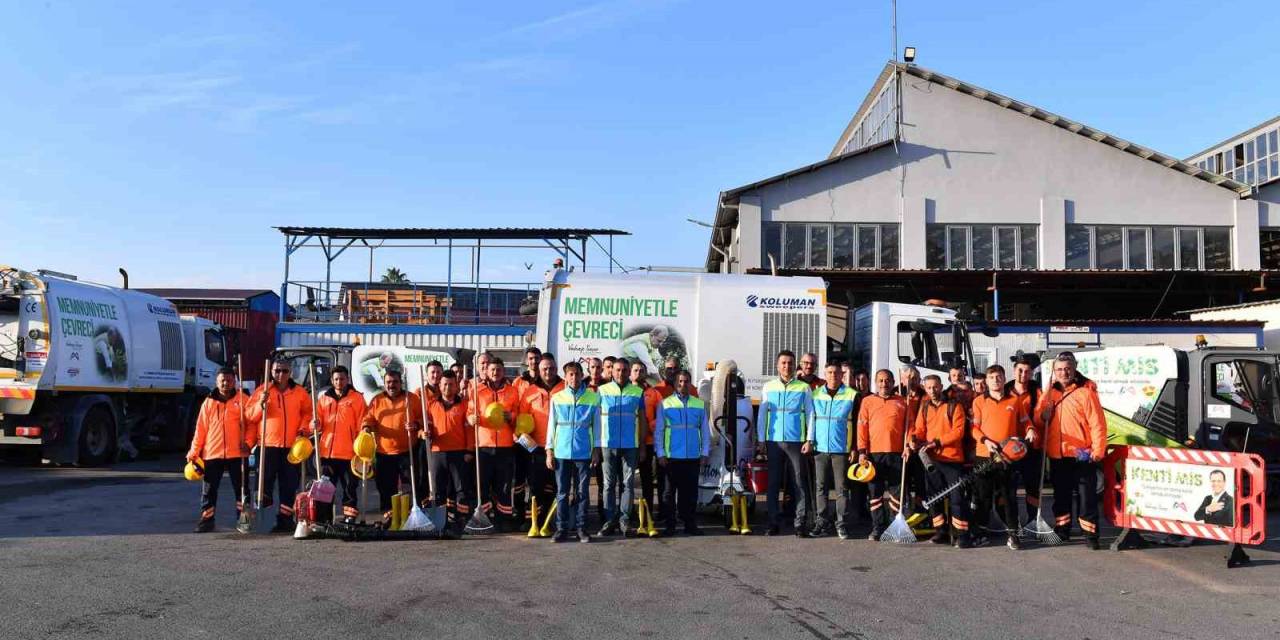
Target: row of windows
x=1148 y=248
x=808 y=245
x=950 y=246
x=880 y=122
x=1252 y=162
x=820 y=245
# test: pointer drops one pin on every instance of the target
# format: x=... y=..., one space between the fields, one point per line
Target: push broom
x=899 y=531
x=479 y=522
x=436 y=514
x=417 y=520
x=248 y=513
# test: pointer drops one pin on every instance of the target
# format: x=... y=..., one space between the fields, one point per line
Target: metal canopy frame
x=334 y=241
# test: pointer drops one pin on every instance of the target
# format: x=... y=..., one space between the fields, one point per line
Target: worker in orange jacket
x=940 y=432
x=452 y=443
x=283 y=410
x=883 y=421
x=997 y=417
x=536 y=402
x=393 y=414
x=1029 y=467
x=520 y=468
x=219 y=441
x=496 y=444
x=1076 y=441
x=341 y=414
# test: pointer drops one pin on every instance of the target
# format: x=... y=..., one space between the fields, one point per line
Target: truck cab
x=206 y=354
x=887 y=335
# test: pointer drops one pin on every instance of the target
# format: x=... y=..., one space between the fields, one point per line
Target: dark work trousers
x=277 y=470
x=213 y=477
x=453 y=479
x=390 y=472
x=1071 y=476
x=942 y=476
x=831 y=474
x=339 y=472
x=1028 y=469
x=888 y=478
x=651 y=476
x=786 y=462
x=496 y=467
x=997 y=483
x=681 y=493
x=520 y=470
x=541 y=480
x=917 y=483
x=598 y=474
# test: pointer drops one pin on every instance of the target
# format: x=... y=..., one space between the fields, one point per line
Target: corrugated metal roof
x=207 y=294
x=459 y=233
x=1245 y=305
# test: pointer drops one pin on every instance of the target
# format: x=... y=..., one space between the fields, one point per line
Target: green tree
x=395 y=276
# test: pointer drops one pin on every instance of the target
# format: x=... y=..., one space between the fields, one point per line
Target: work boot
x=801 y=533
x=963 y=541
x=875 y=535
x=583 y=536
x=842 y=533
x=773 y=530
x=939 y=536
x=979 y=540
x=204 y=526
x=692 y=531
x=819 y=530
x=1014 y=543
x=1092 y=542
x=560 y=536
x=283 y=525
x=670 y=531
x=1063 y=532
x=608 y=530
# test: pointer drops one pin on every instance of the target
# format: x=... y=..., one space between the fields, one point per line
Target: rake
x=899 y=531
x=417 y=520
x=1040 y=528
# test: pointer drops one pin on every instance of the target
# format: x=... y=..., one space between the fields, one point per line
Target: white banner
x=1175 y=491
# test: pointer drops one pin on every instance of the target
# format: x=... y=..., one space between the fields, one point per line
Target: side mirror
x=904 y=359
x=990 y=331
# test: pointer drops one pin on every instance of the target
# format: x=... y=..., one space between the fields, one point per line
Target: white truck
x=887 y=335
x=87 y=370
x=699 y=319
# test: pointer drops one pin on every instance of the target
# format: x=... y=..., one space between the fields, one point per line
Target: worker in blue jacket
x=832 y=439
x=682 y=441
x=622 y=440
x=573 y=441
x=786 y=414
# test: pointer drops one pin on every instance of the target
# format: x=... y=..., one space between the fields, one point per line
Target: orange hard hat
x=1013 y=449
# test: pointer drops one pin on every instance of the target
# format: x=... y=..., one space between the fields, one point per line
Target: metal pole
x=895 y=30
x=610 y=253
x=284 y=288
x=328 y=272
x=448 y=285
x=475 y=279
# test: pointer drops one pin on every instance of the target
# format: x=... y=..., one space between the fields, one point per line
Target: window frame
x=1149 y=239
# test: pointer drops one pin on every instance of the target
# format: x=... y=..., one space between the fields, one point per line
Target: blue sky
x=169 y=138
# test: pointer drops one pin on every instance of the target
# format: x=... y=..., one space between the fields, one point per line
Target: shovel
x=417 y=520
x=436 y=513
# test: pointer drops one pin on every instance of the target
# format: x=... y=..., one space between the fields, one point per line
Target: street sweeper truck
x=87 y=370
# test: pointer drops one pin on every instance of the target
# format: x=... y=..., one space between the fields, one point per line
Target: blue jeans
x=572 y=477
x=619 y=467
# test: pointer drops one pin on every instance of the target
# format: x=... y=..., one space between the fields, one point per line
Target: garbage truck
x=88 y=370
x=1218 y=398
x=932 y=336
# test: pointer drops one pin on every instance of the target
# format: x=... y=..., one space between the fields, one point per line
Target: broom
x=417 y=520
x=262 y=438
x=899 y=531
x=248 y=514
x=479 y=522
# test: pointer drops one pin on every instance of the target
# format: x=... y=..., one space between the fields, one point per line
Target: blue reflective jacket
x=573 y=427
x=833 y=420
x=622 y=409
x=786 y=411
x=683 y=432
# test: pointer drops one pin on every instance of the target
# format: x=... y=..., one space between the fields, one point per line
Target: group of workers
x=536 y=441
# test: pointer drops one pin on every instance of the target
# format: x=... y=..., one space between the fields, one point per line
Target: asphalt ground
x=108 y=553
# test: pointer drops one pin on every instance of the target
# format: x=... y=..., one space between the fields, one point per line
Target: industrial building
x=1252 y=157
x=939 y=188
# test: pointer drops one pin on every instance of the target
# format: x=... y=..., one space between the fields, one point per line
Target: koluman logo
x=162 y=311
x=773 y=302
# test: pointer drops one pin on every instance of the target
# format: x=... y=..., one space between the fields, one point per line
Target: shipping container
x=250 y=334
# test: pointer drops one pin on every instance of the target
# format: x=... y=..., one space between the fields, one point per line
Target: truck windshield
x=1247 y=384
x=933 y=349
x=215 y=348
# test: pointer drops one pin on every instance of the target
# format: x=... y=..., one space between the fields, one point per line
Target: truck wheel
x=97 y=437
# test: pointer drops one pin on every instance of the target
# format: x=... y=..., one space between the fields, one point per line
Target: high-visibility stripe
x=17 y=394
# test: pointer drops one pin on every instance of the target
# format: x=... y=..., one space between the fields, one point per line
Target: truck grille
x=795 y=331
x=170 y=346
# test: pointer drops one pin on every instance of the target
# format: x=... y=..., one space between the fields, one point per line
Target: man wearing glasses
x=283 y=410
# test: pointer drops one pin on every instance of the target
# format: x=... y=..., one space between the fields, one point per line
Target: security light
x=909 y=55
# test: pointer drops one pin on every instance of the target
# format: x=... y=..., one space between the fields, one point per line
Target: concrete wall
x=965 y=160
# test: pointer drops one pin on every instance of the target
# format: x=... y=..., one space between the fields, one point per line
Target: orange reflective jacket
x=1076 y=420
x=448 y=426
x=386 y=418
x=997 y=420
x=537 y=402
x=340 y=422
x=288 y=414
x=220 y=434
x=508 y=396
x=881 y=424
x=942 y=425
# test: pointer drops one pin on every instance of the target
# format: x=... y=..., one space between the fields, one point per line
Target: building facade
x=1252 y=157
x=940 y=188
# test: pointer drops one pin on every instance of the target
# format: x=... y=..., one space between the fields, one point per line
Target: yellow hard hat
x=863 y=472
x=364 y=446
x=362 y=469
x=524 y=423
x=493 y=416
x=194 y=470
x=300 y=451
